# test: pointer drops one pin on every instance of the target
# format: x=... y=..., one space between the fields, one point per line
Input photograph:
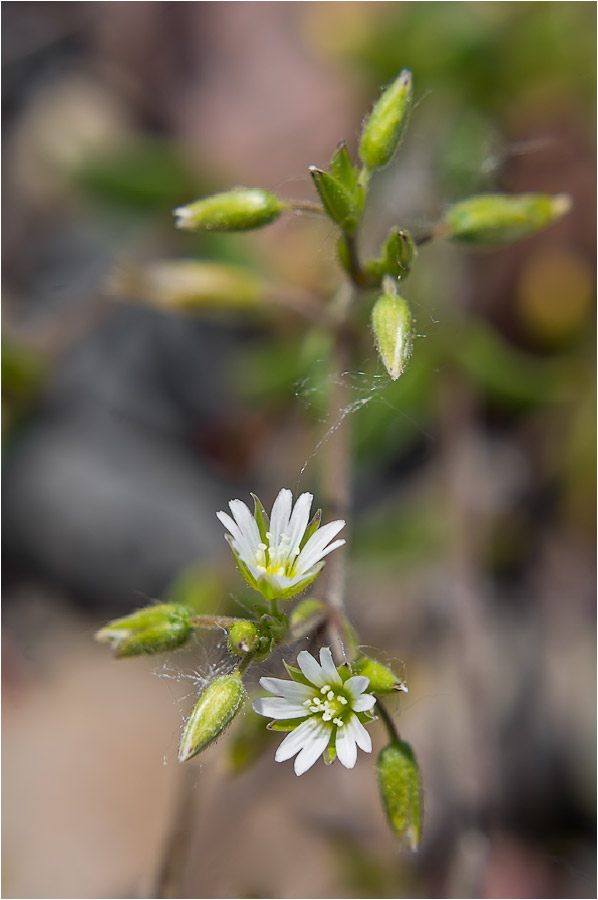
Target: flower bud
x=149 y=630
x=188 y=285
x=382 y=679
x=340 y=203
x=392 y=325
x=243 y=638
x=215 y=709
x=500 y=218
x=384 y=129
x=236 y=210
x=401 y=792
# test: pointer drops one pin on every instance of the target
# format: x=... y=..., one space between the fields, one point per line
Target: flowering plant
x=324 y=706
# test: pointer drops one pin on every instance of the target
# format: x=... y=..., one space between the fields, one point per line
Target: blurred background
x=125 y=427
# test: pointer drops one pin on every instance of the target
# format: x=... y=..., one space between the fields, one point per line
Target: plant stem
x=177 y=840
x=336 y=470
x=388 y=722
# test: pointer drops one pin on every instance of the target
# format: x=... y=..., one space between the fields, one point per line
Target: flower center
x=276 y=559
x=331 y=706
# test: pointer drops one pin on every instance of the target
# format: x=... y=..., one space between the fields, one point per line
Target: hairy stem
x=387 y=719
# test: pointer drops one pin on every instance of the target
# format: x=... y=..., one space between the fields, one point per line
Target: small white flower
x=329 y=706
x=279 y=557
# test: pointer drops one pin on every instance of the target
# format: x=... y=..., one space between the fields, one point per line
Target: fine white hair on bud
x=323 y=707
x=281 y=554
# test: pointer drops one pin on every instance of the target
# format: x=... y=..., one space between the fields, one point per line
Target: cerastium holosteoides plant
x=323 y=706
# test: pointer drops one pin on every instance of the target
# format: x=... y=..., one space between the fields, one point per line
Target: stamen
x=330 y=695
x=338 y=722
x=307 y=703
x=326 y=717
x=324 y=689
x=341 y=699
x=262 y=546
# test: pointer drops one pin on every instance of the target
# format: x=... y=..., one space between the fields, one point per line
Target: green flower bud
x=187 y=285
x=149 y=630
x=243 y=638
x=393 y=331
x=340 y=203
x=215 y=709
x=236 y=210
x=382 y=132
x=500 y=218
x=382 y=679
x=401 y=791
x=398 y=253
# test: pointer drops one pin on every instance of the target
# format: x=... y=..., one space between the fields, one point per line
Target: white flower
x=329 y=706
x=279 y=557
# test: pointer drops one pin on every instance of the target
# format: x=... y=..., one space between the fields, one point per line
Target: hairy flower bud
x=243 y=638
x=149 y=630
x=401 y=792
x=392 y=325
x=190 y=285
x=382 y=679
x=236 y=210
x=500 y=218
x=215 y=709
x=384 y=129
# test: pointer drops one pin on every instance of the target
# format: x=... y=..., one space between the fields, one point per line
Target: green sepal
x=343 y=169
x=401 y=792
x=330 y=752
x=296 y=674
x=340 y=204
x=261 y=517
x=284 y=724
x=311 y=528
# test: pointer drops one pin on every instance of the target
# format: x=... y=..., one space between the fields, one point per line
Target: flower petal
x=246 y=522
x=356 y=685
x=314 y=549
x=279 y=518
x=359 y=734
x=278 y=708
x=242 y=543
x=313 y=749
x=299 y=519
x=363 y=703
x=290 y=690
x=296 y=740
x=328 y=668
x=311 y=668
x=346 y=748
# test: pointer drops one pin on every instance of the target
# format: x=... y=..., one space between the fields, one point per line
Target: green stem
x=388 y=722
x=213 y=622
